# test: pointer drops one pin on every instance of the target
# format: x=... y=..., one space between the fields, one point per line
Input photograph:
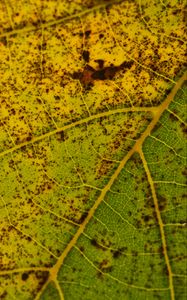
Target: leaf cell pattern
x=92 y=150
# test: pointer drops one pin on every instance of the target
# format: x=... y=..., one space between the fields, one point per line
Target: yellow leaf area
x=92 y=150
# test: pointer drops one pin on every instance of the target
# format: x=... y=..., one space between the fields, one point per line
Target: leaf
x=93 y=153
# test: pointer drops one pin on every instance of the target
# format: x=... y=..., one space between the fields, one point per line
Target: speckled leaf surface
x=92 y=150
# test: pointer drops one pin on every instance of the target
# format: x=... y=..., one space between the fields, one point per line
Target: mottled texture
x=92 y=150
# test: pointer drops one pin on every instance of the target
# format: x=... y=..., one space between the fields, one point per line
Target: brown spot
x=99 y=274
x=29 y=138
x=100 y=75
x=42 y=276
x=162 y=203
x=97 y=245
x=4 y=295
x=184 y=172
x=126 y=64
x=147 y=218
x=104 y=167
x=86 y=55
x=103 y=263
x=101 y=35
x=62 y=136
x=117 y=253
x=105 y=266
x=81 y=248
x=172 y=117
x=83 y=217
x=84 y=77
x=100 y=63
x=87 y=33
x=24 y=276
x=110 y=72
x=184 y=128
x=3 y=40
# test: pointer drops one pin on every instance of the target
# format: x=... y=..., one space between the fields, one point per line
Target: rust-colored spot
x=89 y=74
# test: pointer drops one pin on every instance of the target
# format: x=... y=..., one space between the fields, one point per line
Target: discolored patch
x=86 y=93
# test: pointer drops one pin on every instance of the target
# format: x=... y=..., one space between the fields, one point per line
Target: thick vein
x=59 y=21
x=39 y=294
x=56 y=267
x=136 y=148
x=59 y=289
x=161 y=225
x=157 y=112
x=79 y=122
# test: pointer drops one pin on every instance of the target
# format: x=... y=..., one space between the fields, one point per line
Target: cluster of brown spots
x=86 y=34
x=42 y=278
x=23 y=138
x=162 y=201
x=81 y=248
x=46 y=186
x=89 y=74
x=95 y=243
x=150 y=247
x=3 y=40
x=100 y=63
x=104 y=167
x=184 y=172
x=104 y=243
x=183 y=128
x=62 y=136
x=83 y=217
x=117 y=252
x=105 y=266
x=86 y=55
x=4 y=295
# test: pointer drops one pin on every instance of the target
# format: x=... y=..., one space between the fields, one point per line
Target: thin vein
x=161 y=225
x=79 y=122
x=59 y=21
x=136 y=148
x=116 y=279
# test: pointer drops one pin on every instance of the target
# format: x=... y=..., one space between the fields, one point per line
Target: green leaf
x=92 y=150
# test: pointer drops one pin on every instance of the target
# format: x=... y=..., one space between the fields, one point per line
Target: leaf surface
x=93 y=152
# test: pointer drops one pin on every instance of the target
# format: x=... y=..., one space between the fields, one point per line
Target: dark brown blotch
x=100 y=63
x=83 y=217
x=25 y=276
x=62 y=136
x=97 y=245
x=117 y=253
x=87 y=33
x=89 y=74
x=86 y=55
